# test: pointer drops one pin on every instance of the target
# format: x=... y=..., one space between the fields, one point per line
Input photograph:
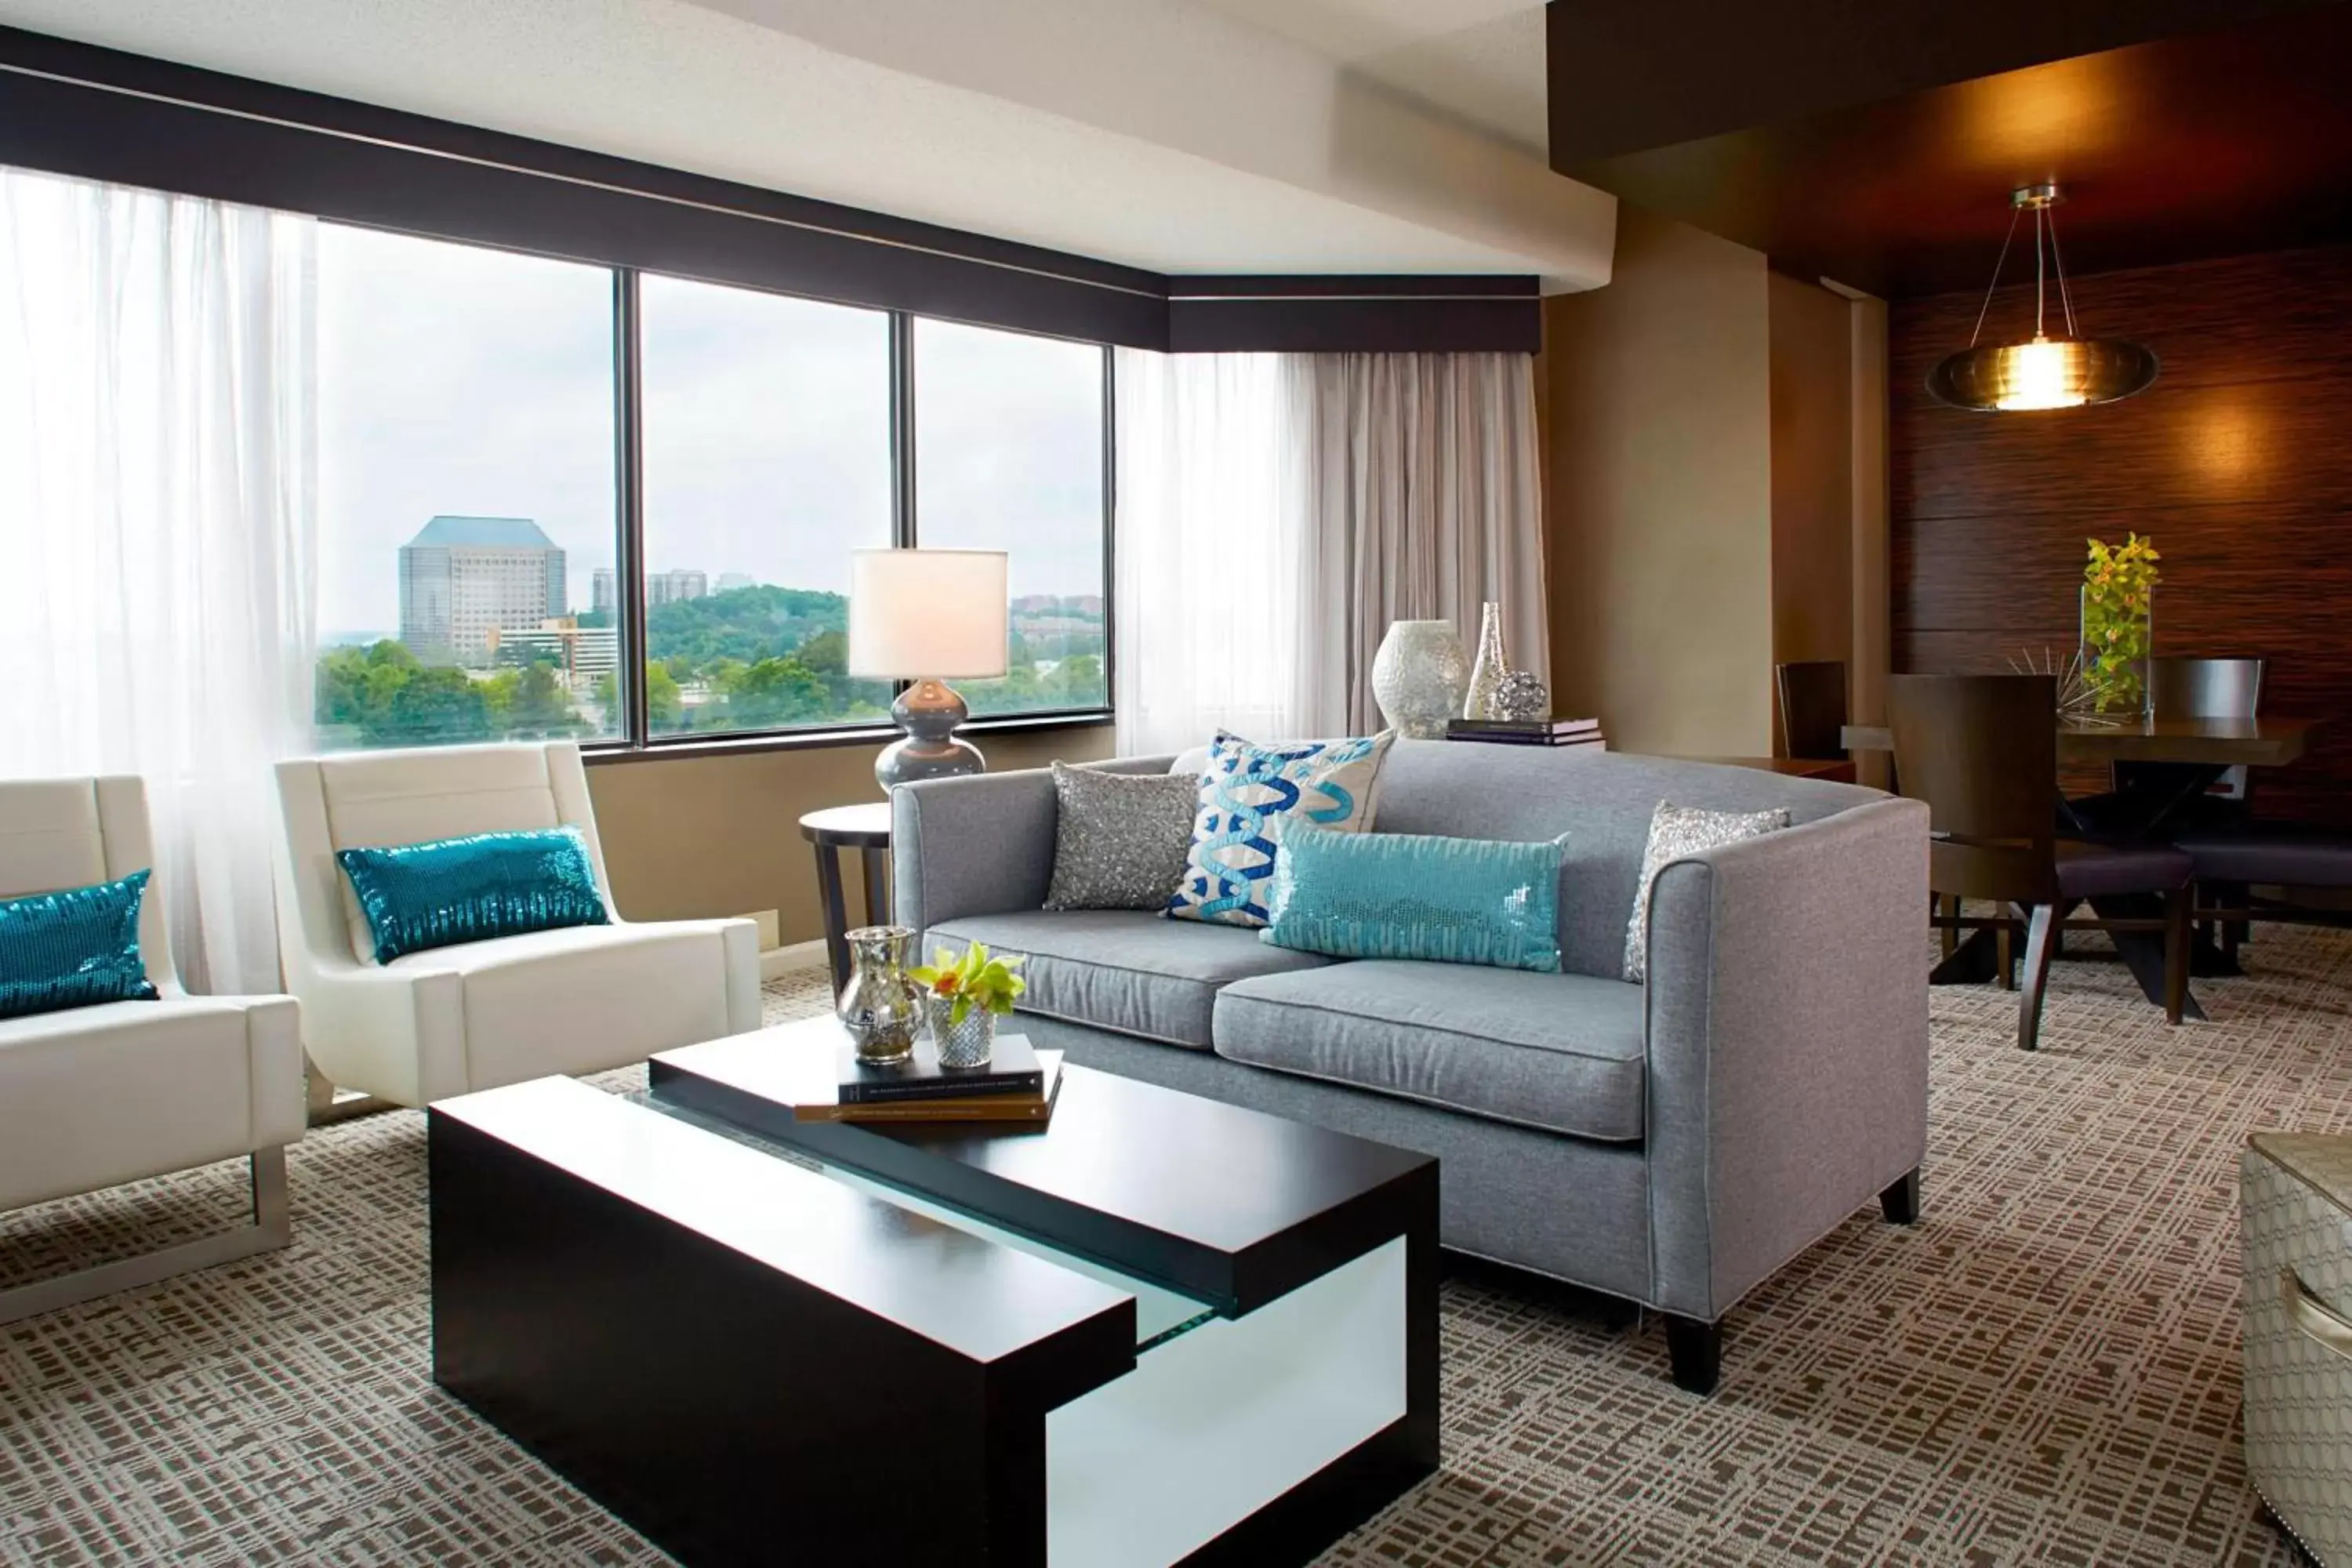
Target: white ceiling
x=1481 y=61
x=1181 y=135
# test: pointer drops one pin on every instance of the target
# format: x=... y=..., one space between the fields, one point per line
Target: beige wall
x=1713 y=487
x=721 y=834
x=1812 y=472
x=1659 y=494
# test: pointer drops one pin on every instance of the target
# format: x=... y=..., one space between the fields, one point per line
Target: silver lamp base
x=930 y=711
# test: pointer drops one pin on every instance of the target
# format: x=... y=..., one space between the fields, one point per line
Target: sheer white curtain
x=1277 y=511
x=1209 y=550
x=157 y=474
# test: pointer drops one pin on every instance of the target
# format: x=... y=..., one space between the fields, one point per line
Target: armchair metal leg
x=270 y=1228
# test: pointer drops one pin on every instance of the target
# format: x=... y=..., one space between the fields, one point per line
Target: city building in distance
x=580 y=655
x=463 y=579
x=661 y=588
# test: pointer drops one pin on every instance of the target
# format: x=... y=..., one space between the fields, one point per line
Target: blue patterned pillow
x=73 y=949
x=1404 y=895
x=1247 y=795
x=452 y=890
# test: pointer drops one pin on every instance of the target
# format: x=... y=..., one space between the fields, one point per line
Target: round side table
x=867 y=830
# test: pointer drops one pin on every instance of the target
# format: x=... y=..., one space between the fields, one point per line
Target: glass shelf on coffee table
x=1161 y=1313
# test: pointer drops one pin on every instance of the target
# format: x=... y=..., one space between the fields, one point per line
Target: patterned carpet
x=2044 y=1371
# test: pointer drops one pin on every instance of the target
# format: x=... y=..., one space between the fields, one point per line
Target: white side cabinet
x=2296 y=1230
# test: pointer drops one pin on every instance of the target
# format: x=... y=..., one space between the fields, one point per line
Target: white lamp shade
x=917 y=614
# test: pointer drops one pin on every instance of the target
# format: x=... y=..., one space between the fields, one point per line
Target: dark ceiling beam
x=2181 y=149
x=1626 y=76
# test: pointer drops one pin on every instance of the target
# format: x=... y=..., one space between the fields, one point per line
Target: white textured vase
x=1419 y=677
x=1488 y=674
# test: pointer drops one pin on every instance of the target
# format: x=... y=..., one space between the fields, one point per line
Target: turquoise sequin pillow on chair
x=75 y=948
x=415 y=897
x=1249 y=795
x=1402 y=895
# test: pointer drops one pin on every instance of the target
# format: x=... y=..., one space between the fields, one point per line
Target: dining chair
x=1982 y=751
x=1813 y=707
x=2139 y=792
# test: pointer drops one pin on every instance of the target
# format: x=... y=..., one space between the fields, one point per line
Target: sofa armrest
x=980 y=844
x=1787 y=1044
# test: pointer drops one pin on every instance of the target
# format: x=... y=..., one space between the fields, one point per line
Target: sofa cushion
x=1601 y=800
x=1124 y=970
x=1249 y=795
x=1561 y=1052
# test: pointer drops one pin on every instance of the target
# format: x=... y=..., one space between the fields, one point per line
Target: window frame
x=634 y=739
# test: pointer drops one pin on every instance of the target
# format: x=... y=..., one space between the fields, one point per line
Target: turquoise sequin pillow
x=73 y=949
x=1402 y=895
x=1248 y=794
x=450 y=890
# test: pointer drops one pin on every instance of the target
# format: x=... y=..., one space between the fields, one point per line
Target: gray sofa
x=1672 y=1143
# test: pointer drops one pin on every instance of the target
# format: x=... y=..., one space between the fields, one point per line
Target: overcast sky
x=461 y=380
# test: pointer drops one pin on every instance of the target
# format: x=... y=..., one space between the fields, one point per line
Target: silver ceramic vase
x=1486 y=675
x=881 y=1008
x=970 y=1044
x=1419 y=676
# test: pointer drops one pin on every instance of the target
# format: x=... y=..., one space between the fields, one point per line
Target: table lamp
x=927 y=616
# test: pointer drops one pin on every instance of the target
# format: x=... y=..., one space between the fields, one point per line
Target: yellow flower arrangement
x=2118 y=596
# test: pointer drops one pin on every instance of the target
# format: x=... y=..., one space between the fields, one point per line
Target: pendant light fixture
x=2064 y=372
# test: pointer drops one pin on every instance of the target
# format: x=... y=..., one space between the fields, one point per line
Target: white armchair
x=452 y=1020
x=94 y=1097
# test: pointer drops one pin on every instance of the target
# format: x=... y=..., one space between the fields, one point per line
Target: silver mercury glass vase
x=1486 y=674
x=1419 y=676
x=881 y=1008
x=970 y=1044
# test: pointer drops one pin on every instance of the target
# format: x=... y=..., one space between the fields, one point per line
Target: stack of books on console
x=1017 y=1085
x=1527 y=731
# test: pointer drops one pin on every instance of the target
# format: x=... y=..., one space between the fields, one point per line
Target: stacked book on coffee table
x=1017 y=1085
x=1527 y=731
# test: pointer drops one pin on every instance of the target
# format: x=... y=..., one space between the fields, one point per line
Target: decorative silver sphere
x=1519 y=695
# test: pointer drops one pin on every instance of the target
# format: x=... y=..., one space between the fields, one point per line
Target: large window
x=466 y=493
x=476 y=540
x=767 y=459
x=1009 y=456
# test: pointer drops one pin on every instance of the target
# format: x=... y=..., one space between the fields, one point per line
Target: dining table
x=2192 y=756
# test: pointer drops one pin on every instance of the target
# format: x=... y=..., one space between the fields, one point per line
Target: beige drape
x=1423 y=503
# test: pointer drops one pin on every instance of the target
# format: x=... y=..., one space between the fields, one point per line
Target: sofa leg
x=1900 y=1202
x=1696 y=1351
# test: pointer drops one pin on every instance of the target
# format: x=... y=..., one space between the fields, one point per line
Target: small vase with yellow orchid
x=2119 y=622
x=965 y=996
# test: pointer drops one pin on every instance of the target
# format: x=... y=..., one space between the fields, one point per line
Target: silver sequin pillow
x=1677 y=833
x=1122 y=839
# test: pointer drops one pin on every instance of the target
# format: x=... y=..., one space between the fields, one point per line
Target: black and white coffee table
x=1157 y=1329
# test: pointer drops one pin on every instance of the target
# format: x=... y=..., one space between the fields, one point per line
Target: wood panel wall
x=2238 y=462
